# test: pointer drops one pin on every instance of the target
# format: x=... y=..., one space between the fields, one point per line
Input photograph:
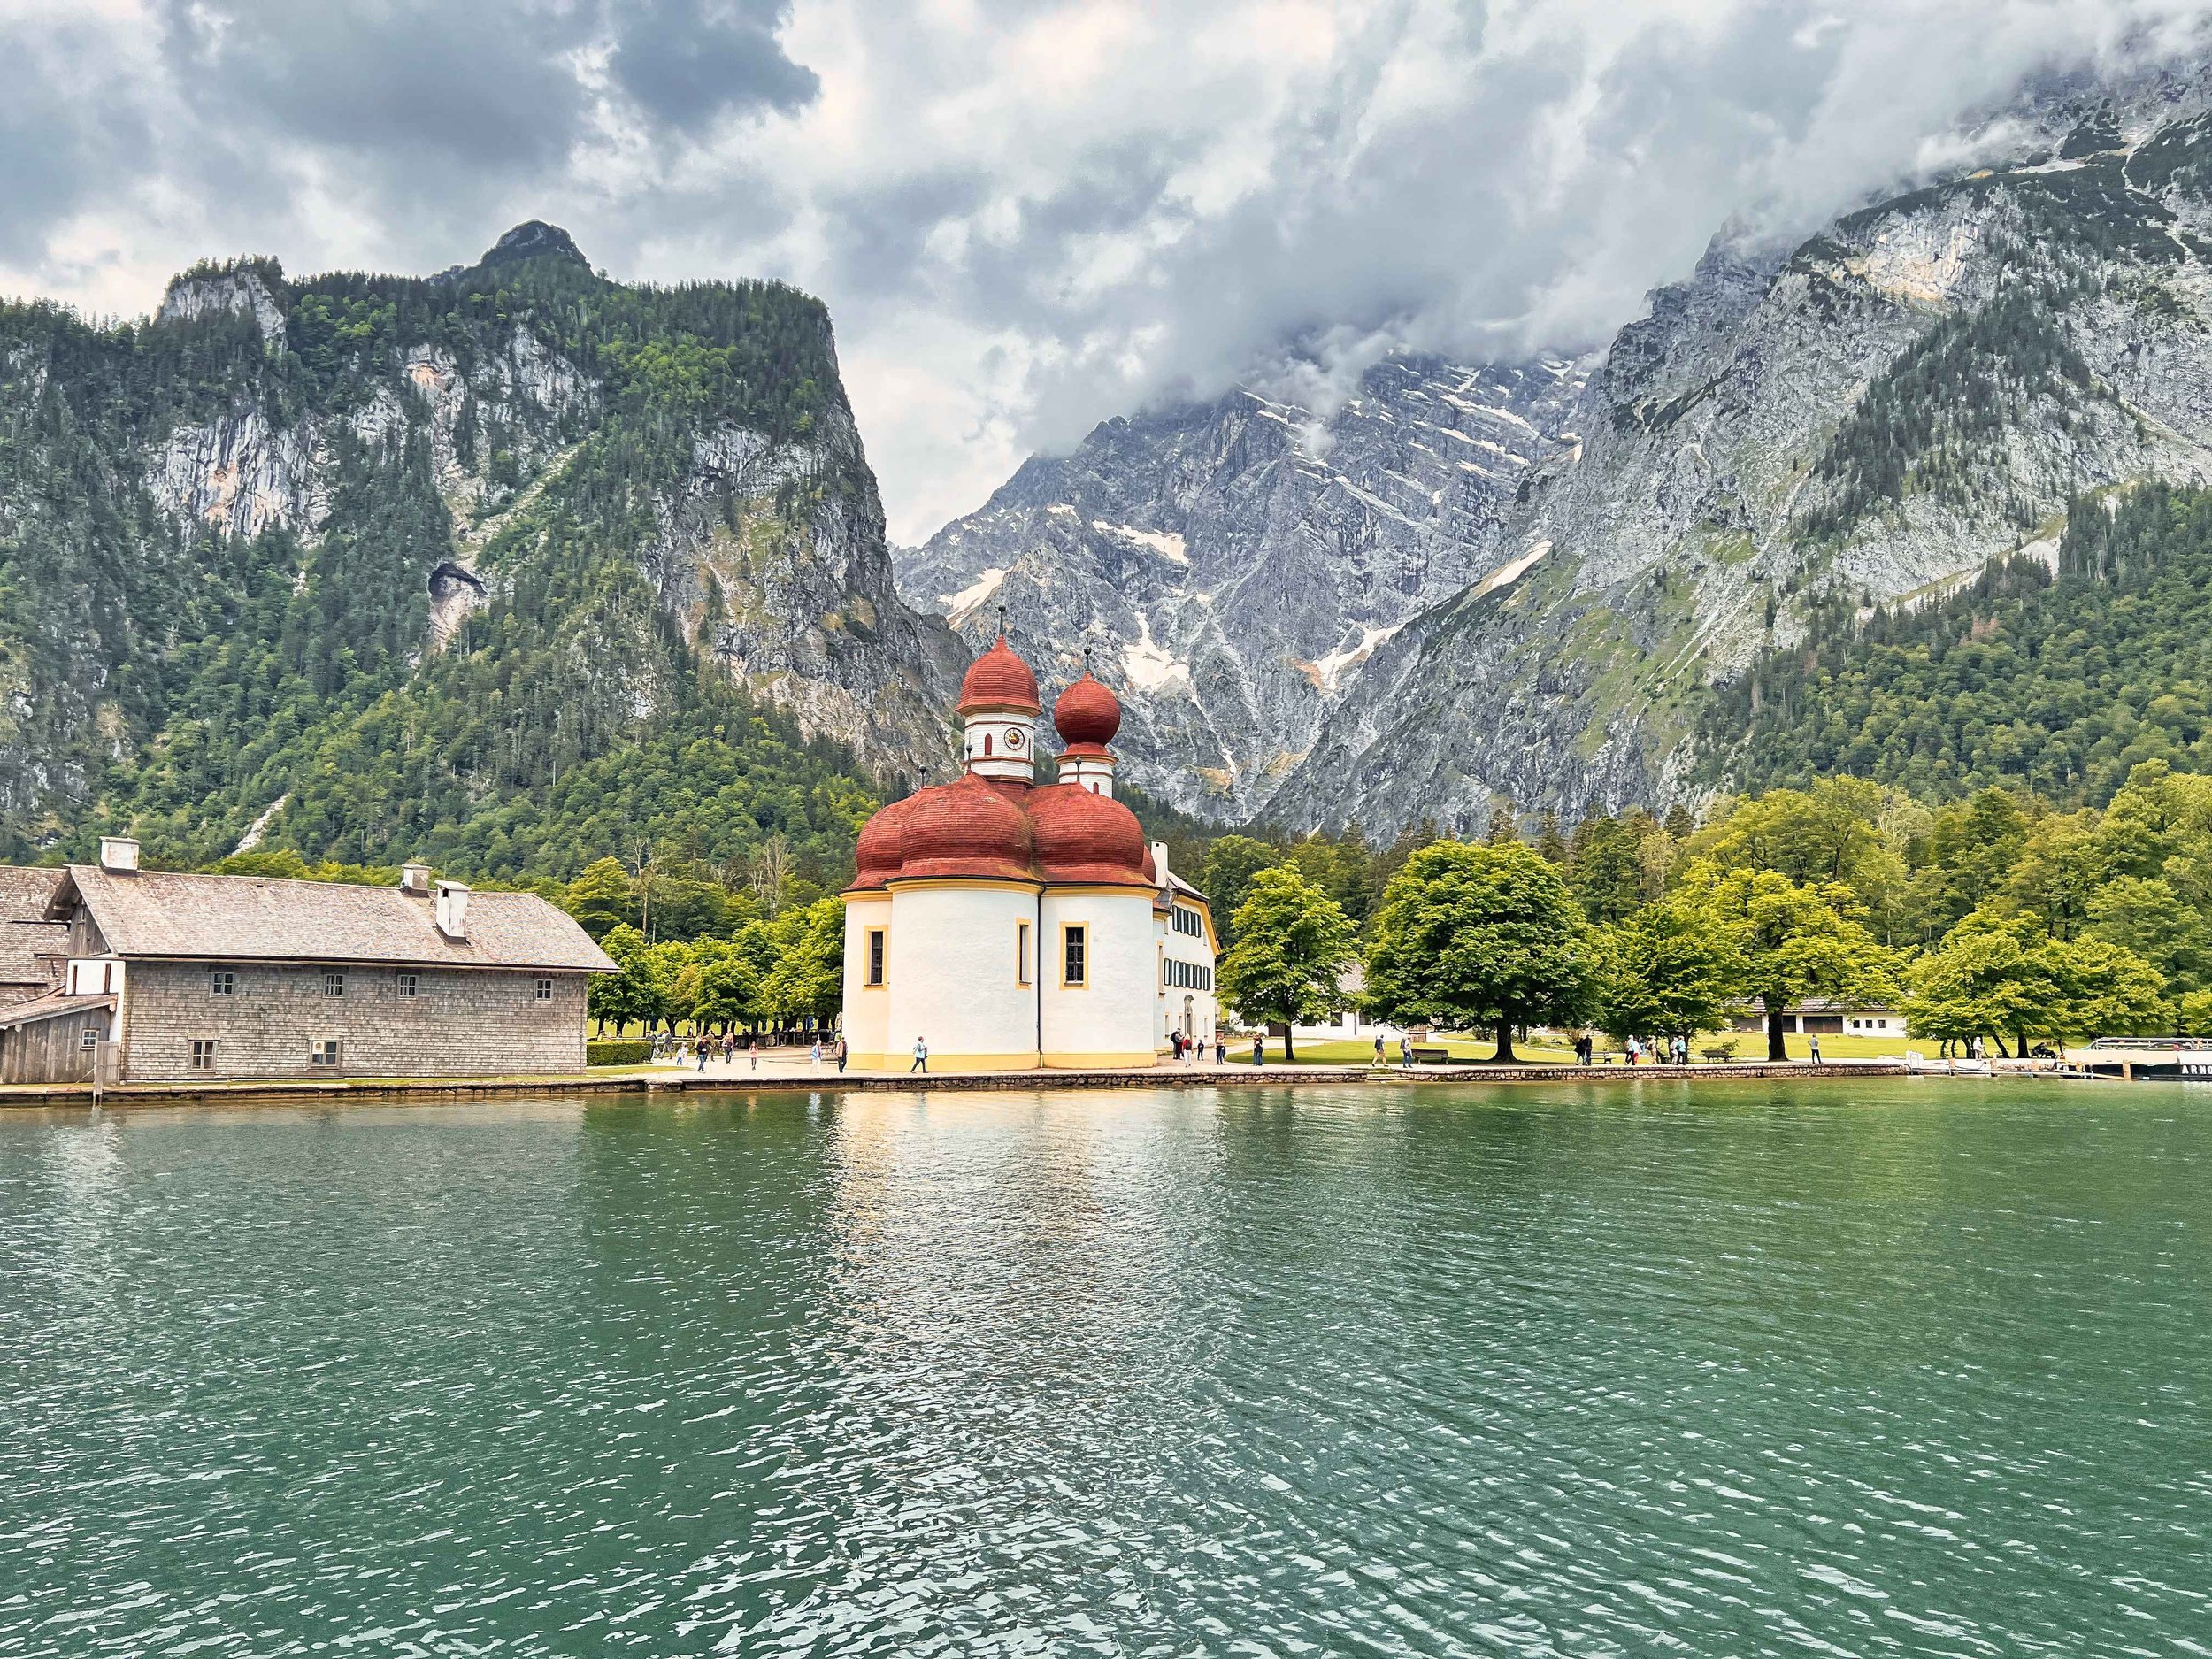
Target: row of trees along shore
x=718 y=956
x=1998 y=916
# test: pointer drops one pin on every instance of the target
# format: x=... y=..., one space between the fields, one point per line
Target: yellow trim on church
x=989 y=882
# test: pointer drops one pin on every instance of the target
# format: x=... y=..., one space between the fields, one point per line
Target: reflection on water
x=1880 y=1368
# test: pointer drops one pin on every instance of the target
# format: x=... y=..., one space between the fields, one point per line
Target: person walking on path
x=921 y=1057
x=1256 y=1053
x=1221 y=1049
x=1405 y=1051
x=1815 y=1047
x=705 y=1048
x=840 y=1057
x=1381 y=1059
x=814 y=1059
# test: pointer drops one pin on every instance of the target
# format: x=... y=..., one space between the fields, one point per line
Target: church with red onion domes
x=1010 y=925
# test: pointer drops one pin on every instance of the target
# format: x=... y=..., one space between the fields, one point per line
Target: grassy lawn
x=1749 y=1046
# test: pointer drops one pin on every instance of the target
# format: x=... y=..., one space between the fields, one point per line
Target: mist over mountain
x=1871 y=413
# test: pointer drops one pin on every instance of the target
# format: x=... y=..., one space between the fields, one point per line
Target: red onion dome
x=973 y=828
x=877 y=852
x=1088 y=714
x=1086 y=837
x=999 y=679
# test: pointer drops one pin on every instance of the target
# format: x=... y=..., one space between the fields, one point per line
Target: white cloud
x=1026 y=215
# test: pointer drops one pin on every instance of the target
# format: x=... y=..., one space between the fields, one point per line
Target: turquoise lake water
x=1864 y=1368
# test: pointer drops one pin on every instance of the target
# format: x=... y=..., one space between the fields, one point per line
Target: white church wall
x=867 y=1008
x=953 y=979
x=1110 y=1019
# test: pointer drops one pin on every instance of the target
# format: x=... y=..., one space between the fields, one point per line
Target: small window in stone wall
x=409 y=984
x=545 y=990
x=222 y=982
x=203 y=1054
x=334 y=985
x=325 y=1053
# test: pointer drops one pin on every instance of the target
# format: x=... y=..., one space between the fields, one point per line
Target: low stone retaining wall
x=428 y=1090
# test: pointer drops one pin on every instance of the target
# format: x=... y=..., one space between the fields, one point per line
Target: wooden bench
x=1431 y=1057
x=1717 y=1056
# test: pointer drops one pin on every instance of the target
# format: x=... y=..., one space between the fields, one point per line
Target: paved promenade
x=790 y=1068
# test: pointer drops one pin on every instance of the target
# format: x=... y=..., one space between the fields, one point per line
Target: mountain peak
x=533 y=239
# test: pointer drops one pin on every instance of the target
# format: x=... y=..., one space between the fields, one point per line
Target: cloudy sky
x=1026 y=215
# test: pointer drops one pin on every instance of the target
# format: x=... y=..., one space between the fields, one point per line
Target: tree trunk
x=1505 y=1055
x=1777 y=1043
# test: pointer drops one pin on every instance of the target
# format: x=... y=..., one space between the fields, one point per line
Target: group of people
x=1187 y=1049
x=1667 y=1051
x=704 y=1048
x=1405 y=1051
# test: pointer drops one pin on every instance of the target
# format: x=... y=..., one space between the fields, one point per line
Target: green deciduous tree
x=602 y=898
x=1471 y=935
x=1983 y=980
x=634 y=991
x=1294 y=943
x=1230 y=864
x=1665 y=972
x=2099 y=990
x=728 y=993
x=1794 y=940
x=807 y=980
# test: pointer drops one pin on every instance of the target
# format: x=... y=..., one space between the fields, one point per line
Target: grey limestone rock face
x=770 y=555
x=1406 y=621
x=798 y=601
x=241 y=290
x=1232 y=567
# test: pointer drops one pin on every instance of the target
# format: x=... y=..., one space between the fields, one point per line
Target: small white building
x=1351 y=1026
x=1010 y=925
x=1819 y=1017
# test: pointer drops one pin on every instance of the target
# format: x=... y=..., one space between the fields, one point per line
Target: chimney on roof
x=415 y=879
x=118 y=852
x=453 y=910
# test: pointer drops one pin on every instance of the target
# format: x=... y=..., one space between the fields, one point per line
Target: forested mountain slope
x=2059 y=676
x=509 y=567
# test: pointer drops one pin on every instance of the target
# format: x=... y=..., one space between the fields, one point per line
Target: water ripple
x=1879 y=1369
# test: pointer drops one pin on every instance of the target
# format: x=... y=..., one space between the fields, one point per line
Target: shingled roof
x=26 y=890
x=25 y=949
x=155 y=913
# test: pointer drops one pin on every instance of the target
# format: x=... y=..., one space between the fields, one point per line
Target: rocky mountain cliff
x=371 y=563
x=1233 y=565
x=1870 y=415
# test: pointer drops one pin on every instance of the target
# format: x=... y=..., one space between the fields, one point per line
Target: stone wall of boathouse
x=458 y=1022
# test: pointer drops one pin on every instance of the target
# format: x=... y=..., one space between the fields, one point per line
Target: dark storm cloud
x=499 y=86
x=395 y=84
x=65 y=132
x=689 y=61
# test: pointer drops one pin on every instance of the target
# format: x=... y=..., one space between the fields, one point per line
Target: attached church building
x=1011 y=925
